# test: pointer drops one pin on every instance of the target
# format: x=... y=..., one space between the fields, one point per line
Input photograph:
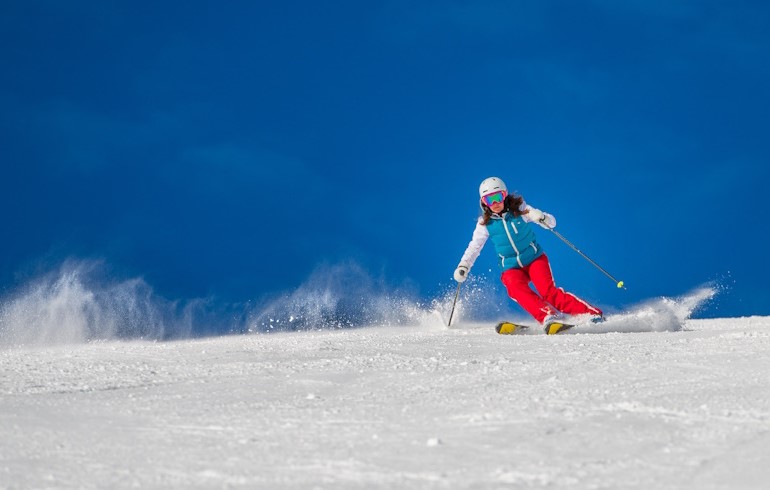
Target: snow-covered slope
x=417 y=406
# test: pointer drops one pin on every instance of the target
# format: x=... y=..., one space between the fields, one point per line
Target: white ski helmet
x=490 y=185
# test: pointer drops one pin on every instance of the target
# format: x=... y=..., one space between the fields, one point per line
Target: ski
x=508 y=328
x=557 y=327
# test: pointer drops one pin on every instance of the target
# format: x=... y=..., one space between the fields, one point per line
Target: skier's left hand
x=543 y=219
x=536 y=215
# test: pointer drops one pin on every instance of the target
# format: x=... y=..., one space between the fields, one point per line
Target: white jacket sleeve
x=550 y=221
x=480 y=235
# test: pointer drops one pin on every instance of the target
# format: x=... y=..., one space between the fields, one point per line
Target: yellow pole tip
x=620 y=284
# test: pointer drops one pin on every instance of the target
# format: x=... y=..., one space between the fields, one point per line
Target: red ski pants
x=517 y=281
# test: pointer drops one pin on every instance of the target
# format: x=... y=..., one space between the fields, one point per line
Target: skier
x=506 y=219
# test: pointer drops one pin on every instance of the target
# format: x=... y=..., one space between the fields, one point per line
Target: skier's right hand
x=461 y=273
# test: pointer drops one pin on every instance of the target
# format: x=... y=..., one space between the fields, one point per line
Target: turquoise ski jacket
x=513 y=238
x=514 y=241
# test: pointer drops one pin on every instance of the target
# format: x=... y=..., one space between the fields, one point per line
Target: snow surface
x=649 y=399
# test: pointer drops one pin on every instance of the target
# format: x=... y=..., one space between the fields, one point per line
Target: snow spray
x=75 y=304
x=78 y=302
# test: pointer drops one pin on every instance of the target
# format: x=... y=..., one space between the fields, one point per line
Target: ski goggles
x=495 y=197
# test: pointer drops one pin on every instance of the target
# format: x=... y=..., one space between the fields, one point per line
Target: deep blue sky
x=228 y=148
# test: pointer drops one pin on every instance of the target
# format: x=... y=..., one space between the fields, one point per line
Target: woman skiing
x=506 y=221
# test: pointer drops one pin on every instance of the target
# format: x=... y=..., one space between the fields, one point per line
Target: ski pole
x=451 y=314
x=618 y=283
